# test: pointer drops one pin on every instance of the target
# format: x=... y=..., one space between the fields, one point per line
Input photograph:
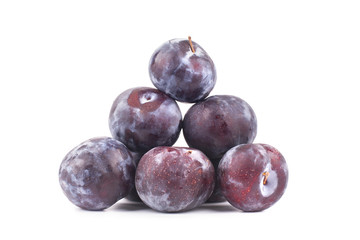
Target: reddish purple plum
x=173 y=179
x=183 y=70
x=219 y=123
x=143 y=118
x=97 y=173
x=253 y=176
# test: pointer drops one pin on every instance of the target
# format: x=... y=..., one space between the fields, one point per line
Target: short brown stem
x=191 y=45
x=266 y=175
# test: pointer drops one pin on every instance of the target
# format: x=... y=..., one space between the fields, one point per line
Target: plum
x=143 y=118
x=183 y=70
x=97 y=173
x=173 y=179
x=253 y=176
x=219 y=123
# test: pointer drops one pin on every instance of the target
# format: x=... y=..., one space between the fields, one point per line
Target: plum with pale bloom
x=253 y=176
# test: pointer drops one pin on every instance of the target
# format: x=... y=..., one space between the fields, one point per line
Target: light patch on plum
x=158 y=202
x=247 y=113
x=123 y=164
x=68 y=167
x=260 y=155
x=199 y=51
x=158 y=159
x=198 y=156
x=229 y=154
x=252 y=204
x=79 y=162
x=77 y=181
x=171 y=112
x=95 y=205
x=188 y=55
x=205 y=196
x=84 y=191
x=176 y=40
x=271 y=182
x=121 y=110
x=232 y=181
x=148 y=97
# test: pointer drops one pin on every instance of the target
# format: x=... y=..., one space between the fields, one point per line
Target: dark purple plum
x=253 y=176
x=97 y=173
x=173 y=179
x=186 y=74
x=219 y=123
x=143 y=118
x=217 y=195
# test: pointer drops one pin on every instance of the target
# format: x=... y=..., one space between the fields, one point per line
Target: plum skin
x=143 y=118
x=219 y=123
x=253 y=176
x=184 y=75
x=97 y=173
x=174 y=179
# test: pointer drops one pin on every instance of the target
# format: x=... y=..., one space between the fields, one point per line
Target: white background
x=297 y=63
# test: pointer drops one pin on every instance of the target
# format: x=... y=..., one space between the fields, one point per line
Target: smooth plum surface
x=253 y=176
x=182 y=74
x=143 y=118
x=97 y=173
x=219 y=123
x=173 y=179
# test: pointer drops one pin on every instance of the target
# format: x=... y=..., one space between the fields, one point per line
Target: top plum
x=183 y=70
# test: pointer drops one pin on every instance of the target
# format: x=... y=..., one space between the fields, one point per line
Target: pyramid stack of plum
x=140 y=163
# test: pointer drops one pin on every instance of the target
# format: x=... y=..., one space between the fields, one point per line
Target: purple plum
x=219 y=123
x=143 y=118
x=183 y=70
x=253 y=176
x=173 y=179
x=97 y=173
